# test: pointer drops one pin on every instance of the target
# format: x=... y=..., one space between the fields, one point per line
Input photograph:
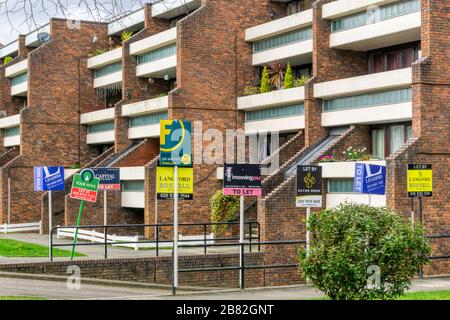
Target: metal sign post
x=175 y=230
x=241 y=243
x=9 y=200
x=109 y=181
x=105 y=208
x=50 y=221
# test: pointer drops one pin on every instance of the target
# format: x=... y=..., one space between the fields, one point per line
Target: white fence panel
x=21 y=227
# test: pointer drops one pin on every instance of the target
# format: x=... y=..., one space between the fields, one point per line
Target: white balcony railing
x=144 y=107
x=97 y=116
x=342 y=8
x=271 y=99
x=168 y=9
x=9 y=49
x=16 y=69
x=105 y=59
x=400 y=78
x=20 y=90
x=283 y=124
x=296 y=53
x=156 y=41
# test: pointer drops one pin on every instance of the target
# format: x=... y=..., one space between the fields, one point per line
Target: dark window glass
x=393 y=58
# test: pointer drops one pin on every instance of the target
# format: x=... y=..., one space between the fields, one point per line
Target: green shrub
x=350 y=242
x=126 y=35
x=288 y=78
x=300 y=82
x=223 y=209
x=7 y=60
x=99 y=52
x=251 y=90
x=265 y=81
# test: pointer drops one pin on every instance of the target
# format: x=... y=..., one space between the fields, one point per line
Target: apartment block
x=370 y=74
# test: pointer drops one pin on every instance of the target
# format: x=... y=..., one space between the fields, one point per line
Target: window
x=133 y=185
x=294 y=7
x=368 y=100
x=100 y=127
x=12 y=132
x=393 y=58
x=386 y=12
x=265 y=146
x=273 y=113
x=21 y=78
x=340 y=186
x=282 y=40
x=109 y=69
x=158 y=54
x=148 y=119
x=387 y=139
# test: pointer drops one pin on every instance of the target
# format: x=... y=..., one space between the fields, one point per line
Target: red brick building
x=368 y=74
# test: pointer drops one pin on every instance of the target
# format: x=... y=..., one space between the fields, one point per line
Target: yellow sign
x=165 y=183
x=420 y=180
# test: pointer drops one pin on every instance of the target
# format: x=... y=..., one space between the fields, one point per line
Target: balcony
x=156 y=55
x=11 y=130
x=345 y=171
x=134 y=21
x=100 y=126
x=145 y=107
x=16 y=69
x=169 y=9
x=271 y=99
x=391 y=24
x=132 y=194
x=340 y=8
x=107 y=68
x=10 y=49
x=105 y=59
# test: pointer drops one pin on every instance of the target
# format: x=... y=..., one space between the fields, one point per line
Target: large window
x=133 y=186
x=148 y=119
x=393 y=58
x=371 y=16
x=273 y=113
x=282 y=40
x=296 y=6
x=368 y=100
x=109 y=69
x=100 y=127
x=158 y=54
x=21 y=78
x=340 y=185
x=12 y=132
x=387 y=139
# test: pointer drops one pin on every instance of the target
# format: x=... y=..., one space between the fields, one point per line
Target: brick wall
x=158 y=270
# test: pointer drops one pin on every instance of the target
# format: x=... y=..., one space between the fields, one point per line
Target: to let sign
x=370 y=179
x=165 y=183
x=109 y=178
x=48 y=178
x=242 y=180
x=309 y=187
x=420 y=180
x=85 y=186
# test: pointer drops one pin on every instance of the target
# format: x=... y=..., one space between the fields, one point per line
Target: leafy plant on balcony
x=276 y=74
x=353 y=154
x=223 y=209
x=163 y=94
x=251 y=90
x=126 y=35
x=99 y=52
x=265 y=81
x=300 y=82
x=328 y=158
x=288 y=78
x=7 y=60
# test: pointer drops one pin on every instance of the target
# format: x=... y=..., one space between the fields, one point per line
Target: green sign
x=85 y=186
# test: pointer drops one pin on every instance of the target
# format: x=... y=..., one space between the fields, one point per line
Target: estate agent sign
x=370 y=179
x=242 y=180
x=420 y=180
x=309 y=187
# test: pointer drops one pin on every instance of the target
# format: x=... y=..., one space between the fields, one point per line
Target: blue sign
x=48 y=178
x=109 y=178
x=370 y=179
x=175 y=143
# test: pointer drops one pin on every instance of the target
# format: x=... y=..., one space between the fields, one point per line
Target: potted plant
x=353 y=154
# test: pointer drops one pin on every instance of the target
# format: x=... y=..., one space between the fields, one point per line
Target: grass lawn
x=426 y=295
x=13 y=248
x=20 y=298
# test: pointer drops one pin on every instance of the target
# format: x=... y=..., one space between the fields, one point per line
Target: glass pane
x=21 y=78
x=397 y=137
x=378 y=143
x=12 y=132
x=409 y=134
x=273 y=113
x=340 y=186
x=133 y=185
x=100 y=127
x=282 y=40
x=158 y=54
x=148 y=119
x=109 y=69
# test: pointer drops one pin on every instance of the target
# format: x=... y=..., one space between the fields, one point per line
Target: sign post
x=420 y=184
x=48 y=179
x=309 y=192
x=109 y=180
x=175 y=150
x=370 y=179
x=243 y=180
x=84 y=188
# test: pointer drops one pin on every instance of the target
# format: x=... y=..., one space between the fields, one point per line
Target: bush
x=223 y=209
x=288 y=78
x=7 y=60
x=350 y=242
x=265 y=81
x=251 y=90
x=300 y=82
x=126 y=35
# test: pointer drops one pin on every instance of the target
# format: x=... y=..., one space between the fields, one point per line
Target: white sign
x=308 y=201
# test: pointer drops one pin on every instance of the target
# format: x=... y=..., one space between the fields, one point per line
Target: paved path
x=97 y=251
x=59 y=290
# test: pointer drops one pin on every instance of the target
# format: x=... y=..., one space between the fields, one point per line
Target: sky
x=15 y=15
